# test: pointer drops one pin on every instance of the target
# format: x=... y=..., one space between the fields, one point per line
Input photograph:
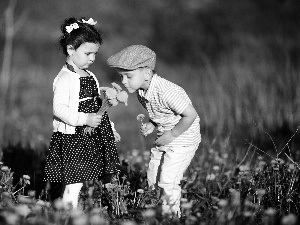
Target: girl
x=74 y=155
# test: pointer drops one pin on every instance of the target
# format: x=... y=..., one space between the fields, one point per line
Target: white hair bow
x=73 y=26
x=90 y=21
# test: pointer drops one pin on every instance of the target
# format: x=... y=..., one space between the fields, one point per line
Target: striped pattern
x=165 y=101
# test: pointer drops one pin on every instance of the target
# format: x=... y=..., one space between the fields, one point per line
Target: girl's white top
x=66 y=87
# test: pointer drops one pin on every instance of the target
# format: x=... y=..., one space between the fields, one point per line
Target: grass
x=220 y=187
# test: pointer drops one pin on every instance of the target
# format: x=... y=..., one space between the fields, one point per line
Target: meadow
x=240 y=70
x=218 y=188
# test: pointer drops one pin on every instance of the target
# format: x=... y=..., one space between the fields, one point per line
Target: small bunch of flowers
x=112 y=96
x=140 y=118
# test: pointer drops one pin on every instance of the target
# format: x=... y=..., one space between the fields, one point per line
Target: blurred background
x=238 y=60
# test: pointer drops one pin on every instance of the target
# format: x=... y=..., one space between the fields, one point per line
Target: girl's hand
x=117 y=136
x=165 y=139
x=93 y=120
x=147 y=128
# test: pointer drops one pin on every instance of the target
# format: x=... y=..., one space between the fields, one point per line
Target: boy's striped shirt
x=165 y=101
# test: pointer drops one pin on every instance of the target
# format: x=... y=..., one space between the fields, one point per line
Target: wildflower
x=273 y=162
x=111 y=93
x=211 y=176
x=112 y=96
x=140 y=117
x=223 y=203
x=216 y=168
x=249 y=203
x=235 y=197
x=27 y=182
x=270 y=212
x=122 y=97
x=59 y=204
x=228 y=173
x=1 y=163
x=31 y=193
x=75 y=213
x=82 y=219
x=261 y=164
x=291 y=166
x=135 y=152
x=141 y=191
x=113 y=102
x=48 y=204
x=6 y=195
x=123 y=177
x=187 y=205
x=116 y=86
x=26 y=177
x=244 y=168
x=24 y=200
x=40 y=203
x=211 y=151
x=248 y=214
x=225 y=155
x=290 y=219
x=11 y=218
x=4 y=169
x=260 y=193
x=22 y=210
x=260 y=158
x=148 y=213
x=109 y=185
x=128 y=223
x=183 y=200
x=96 y=219
x=36 y=208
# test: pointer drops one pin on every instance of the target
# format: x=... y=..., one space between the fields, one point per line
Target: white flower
x=211 y=176
x=216 y=168
x=26 y=177
x=4 y=169
x=148 y=213
x=90 y=21
x=270 y=211
x=140 y=117
x=187 y=205
x=222 y=203
x=289 y=220
x=73 y=26
x=141 y=191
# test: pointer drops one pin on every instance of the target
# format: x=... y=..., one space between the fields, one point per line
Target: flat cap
x=133 y=57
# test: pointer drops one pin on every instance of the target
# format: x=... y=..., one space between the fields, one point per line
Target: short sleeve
x=176 y=100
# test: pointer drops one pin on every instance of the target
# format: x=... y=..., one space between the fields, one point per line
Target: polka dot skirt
x=75 y=158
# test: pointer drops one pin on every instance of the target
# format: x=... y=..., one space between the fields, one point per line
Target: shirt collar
x=66 y=69
x=149 y=93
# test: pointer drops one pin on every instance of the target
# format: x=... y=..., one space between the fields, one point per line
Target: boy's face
x=135 y=79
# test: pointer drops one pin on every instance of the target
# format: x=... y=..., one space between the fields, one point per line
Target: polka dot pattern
x=75 y=158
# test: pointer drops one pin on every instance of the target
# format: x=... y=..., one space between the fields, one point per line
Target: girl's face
x=135 y=79
x=84 y=55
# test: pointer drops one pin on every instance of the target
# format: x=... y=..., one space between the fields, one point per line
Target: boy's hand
x=117 y=136
x=93 y=120
x=165 y=139
x=147 y=128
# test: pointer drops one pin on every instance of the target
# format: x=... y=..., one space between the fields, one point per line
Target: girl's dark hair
x=85 y=33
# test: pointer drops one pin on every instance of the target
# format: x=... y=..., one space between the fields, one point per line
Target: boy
x=170 y=111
